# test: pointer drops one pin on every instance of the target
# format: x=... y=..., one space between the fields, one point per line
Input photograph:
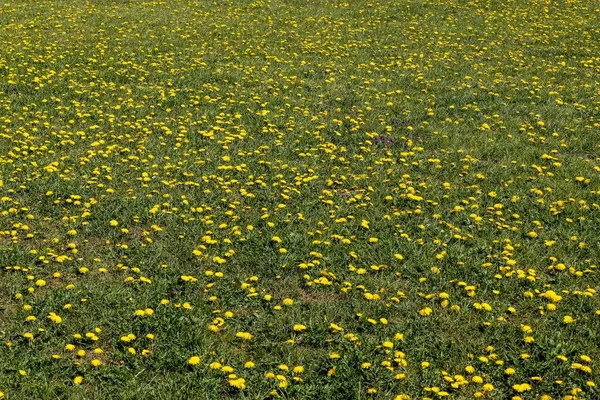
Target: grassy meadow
x=285 y=199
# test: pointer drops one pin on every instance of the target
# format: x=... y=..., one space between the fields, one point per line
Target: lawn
x=285 y=199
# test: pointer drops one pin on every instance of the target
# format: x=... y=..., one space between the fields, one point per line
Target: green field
x=318 y=199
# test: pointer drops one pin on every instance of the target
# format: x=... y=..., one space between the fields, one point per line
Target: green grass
x=243 y=143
